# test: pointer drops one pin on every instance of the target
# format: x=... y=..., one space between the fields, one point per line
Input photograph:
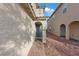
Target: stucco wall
x=71 y=15
x=15 y=30
x=38 y=11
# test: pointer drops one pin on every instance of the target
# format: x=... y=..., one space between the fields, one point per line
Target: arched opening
x=63 y=30
x=38 y=31
x=74 y=30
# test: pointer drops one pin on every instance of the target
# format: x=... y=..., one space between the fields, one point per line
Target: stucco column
x=44 y=36
x=44 y=33
x=67 y=32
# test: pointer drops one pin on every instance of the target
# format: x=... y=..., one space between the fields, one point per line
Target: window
x=64 y=8
x=64 y=11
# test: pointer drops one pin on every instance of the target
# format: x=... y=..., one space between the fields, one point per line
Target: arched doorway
x=38 y=31
x=74 y=30
x=63 y=30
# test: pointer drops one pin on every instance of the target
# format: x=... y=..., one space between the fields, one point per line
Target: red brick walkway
x=55 y=46
x=37 y=49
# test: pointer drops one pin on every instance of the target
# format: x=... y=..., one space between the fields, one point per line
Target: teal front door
x=38 y=32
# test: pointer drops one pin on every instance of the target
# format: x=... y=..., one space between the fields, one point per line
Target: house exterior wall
x=38 y=11
x=59 y=18
x=16 y=30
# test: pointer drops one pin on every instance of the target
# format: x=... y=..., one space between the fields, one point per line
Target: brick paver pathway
x=37 y=49
x=55 y=46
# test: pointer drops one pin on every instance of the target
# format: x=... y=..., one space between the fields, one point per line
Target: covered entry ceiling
x=74 y=30
x=38 y=23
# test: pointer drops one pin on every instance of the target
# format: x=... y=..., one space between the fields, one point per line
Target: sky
x=49 y=8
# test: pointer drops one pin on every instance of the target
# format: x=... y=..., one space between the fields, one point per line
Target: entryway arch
x=62 y=30
x=39 y=27
x=74 y=30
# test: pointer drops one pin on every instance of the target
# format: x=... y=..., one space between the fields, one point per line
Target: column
x=67 y=32
x=44 y=36
x=44 y=33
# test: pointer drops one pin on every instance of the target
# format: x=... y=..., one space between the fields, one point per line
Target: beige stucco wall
x=16 y=30
x=39 y=12
x=72 y=14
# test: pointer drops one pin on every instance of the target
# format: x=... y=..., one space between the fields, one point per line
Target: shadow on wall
x=15 y=30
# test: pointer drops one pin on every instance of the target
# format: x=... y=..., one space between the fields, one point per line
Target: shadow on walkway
x=63 y=40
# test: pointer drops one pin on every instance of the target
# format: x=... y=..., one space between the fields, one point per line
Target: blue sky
x=49 y=8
